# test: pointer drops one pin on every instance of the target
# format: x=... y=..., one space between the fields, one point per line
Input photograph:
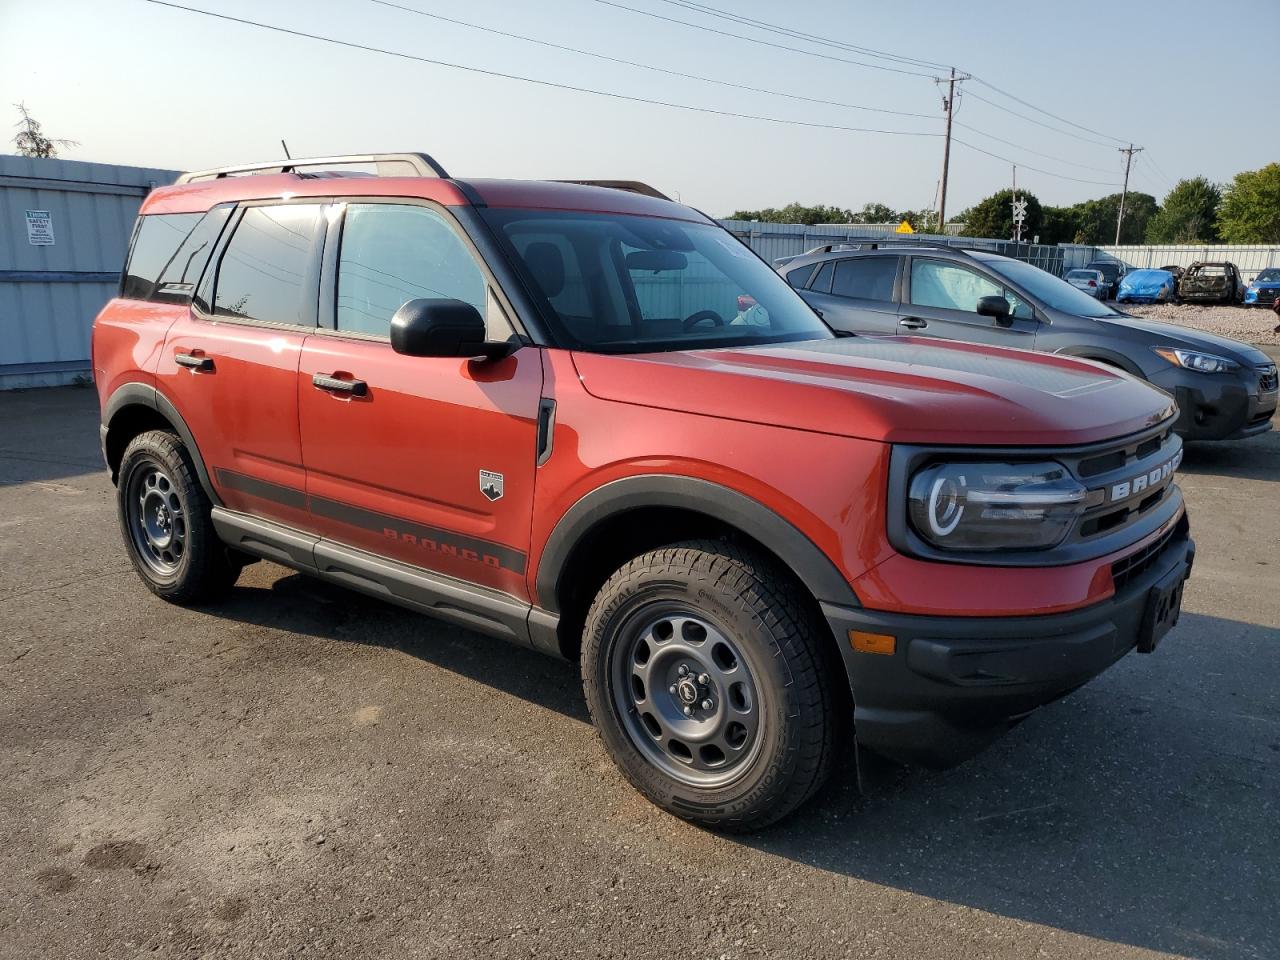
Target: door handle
x=194 y=361
x=913 y=323
x=325 y=381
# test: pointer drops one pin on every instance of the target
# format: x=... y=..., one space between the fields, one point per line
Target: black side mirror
x=997 y=308
x=442 y=328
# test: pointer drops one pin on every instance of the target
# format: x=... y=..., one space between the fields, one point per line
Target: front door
x=230 y=365
x=941 y=301
x=430 y=462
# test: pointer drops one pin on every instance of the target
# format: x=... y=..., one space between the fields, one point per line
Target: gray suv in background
x=1225 y=389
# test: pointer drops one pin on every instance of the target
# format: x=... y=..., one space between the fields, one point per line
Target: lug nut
x=672 y=689
x=688 y=711
x=704 y=678
x=707 y=704
x=682 y=670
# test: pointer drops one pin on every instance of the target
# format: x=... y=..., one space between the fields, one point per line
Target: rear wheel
x=165 y=518
x=707 y=680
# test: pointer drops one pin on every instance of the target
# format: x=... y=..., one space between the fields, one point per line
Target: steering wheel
x=694 y=319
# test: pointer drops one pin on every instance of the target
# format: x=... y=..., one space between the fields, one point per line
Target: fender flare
x=145 y=395
x=814 y=568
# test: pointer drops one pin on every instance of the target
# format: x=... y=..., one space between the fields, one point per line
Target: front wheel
x=709 y=685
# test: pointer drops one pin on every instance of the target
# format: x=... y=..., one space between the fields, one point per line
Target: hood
x=891 y=389
x=1172 y=335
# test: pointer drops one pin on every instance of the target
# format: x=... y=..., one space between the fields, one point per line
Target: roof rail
x=420 y=165
x=631 y=186
x=874 y=243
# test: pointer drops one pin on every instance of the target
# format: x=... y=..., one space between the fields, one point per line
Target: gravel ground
x=300 y=772
x=1250 y=324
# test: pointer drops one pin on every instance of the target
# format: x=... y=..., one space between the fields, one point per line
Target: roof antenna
x=287 y=154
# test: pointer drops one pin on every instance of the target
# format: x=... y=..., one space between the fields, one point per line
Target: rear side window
x=266 y=271
x=169 y=253
x=799 y=277
x=393 y=253
x=822 y=282
x=867 y=278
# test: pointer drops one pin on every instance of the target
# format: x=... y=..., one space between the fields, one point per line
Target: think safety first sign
x=39 y=228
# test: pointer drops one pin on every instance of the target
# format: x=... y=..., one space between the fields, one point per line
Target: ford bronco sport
x=588 y=420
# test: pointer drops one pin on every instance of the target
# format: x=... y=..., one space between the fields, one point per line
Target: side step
x=466 y=604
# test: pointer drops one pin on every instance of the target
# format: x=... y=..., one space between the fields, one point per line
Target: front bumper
x=953 y=684
x=1219 y=407
x=1261 y=297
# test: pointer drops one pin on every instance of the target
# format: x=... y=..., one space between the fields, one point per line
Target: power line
x=1038 y=123
x=542 y=83
x=1005 y=93
x=648 y=66
x=766 y=43
x=1048 y=156
x=996 y=156
x=801 y=35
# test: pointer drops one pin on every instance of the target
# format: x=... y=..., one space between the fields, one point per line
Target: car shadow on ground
x=1139 y=810
x=1257 y=458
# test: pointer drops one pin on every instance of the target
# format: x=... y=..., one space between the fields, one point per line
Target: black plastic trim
x=753 y=518
x=546 y=429
x=145 y=395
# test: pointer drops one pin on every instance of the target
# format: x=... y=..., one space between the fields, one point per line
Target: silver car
x=1091 y=282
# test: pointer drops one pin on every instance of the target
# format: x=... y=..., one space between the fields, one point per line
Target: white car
x=1091 y=282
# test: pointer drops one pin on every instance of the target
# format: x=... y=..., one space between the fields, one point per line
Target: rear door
x=431 y=461
x=857 y=294
x=941 y=299
x=230 y=364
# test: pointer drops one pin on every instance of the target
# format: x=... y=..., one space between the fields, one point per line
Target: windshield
x=1082 y=275
x=1049 y=290
x=613 y=283
x=1268 y=276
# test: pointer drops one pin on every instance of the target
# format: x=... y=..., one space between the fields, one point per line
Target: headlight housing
x=1194 y=360
x=994 y=506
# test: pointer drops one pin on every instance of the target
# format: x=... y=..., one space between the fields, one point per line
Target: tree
x=1250 y=210
x=1060 y=225
x=1188 y=215
x=31 y=141
x=993 y=217
x=1096 y=219
x=922 y=221
x=796 y=213
x=875 y=213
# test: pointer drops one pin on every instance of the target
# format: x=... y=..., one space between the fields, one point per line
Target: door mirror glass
x=439 y=328
x=995 y=307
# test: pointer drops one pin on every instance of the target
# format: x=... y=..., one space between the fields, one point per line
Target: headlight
x=1202 y=362
x=994 y=506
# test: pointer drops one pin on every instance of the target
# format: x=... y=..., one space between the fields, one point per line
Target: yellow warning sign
x=905 y=227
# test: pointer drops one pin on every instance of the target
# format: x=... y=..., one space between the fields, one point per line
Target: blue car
x=1147 y=286
x=1264 y=290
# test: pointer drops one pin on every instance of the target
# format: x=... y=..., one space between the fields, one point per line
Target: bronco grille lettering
x=1146 y=481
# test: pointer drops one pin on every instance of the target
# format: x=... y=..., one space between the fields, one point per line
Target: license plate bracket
x=1164 y=606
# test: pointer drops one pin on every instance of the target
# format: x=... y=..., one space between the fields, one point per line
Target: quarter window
x=394 y=253
x=264 y=272
x=157 y=240
x=866 y=278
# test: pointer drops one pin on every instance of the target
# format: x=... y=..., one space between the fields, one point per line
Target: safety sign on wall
x=39 y=228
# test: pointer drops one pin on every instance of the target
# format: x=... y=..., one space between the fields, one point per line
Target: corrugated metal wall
x=1249 y=259
x=50 y=293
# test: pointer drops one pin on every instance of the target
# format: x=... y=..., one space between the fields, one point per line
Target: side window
x=822 y=282
x=393 y=253
x=178 y=279
x=935 y=283
x=867 y=278
x=799 y=277
x=155 y=245
x=1019 y=307
x=265 y=270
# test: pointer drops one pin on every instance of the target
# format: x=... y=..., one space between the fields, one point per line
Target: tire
x=165 y=520
x=753 y=653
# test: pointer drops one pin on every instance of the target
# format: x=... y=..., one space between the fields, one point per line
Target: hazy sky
x=142 y=84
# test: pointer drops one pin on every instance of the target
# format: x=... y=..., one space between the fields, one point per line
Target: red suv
x=588 y=420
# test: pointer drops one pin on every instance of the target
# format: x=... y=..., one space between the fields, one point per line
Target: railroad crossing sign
x=1019 y=211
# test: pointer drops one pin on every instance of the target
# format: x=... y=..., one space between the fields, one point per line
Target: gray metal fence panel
x=1251 y=259
x=50 y=293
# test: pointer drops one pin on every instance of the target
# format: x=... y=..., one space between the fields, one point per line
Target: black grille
x=1268 y=378
x=1130 y=568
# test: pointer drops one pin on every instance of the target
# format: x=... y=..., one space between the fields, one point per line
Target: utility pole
x=948 y=105
x=1128 y=152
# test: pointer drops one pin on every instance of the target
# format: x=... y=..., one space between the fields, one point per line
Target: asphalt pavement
x=302 y=771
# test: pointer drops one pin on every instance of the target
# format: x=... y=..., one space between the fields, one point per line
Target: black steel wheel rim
x=157 y=519
x=686 y=695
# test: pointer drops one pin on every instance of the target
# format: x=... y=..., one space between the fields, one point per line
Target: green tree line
x=1196 y=210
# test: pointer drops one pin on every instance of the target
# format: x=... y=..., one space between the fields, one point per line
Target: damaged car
x=1211 y=282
